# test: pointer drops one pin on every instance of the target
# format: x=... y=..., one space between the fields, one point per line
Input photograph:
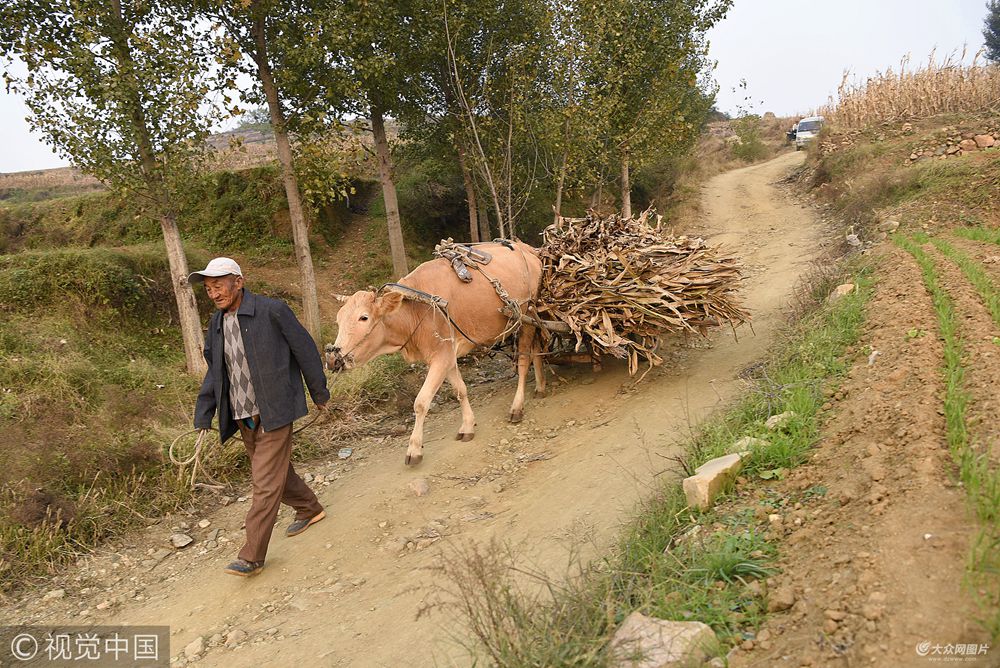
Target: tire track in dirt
x=346 y=593
x=878 y=568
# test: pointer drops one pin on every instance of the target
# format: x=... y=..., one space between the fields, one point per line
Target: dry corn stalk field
x=934 y=88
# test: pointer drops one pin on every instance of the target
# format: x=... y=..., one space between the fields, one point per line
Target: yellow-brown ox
x=372 y=324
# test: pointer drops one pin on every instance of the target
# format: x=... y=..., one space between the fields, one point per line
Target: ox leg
x=468 y=429
x=436 y=372
x=538 y=361
x=539 y=366
x=525 y=342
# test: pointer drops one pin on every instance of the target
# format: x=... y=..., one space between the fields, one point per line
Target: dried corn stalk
x=621 y=284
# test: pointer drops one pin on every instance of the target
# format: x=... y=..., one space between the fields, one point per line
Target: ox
x=371 y=324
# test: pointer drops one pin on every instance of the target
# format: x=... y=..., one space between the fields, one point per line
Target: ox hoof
x=413 y=460
x=541 y=394
x=460 y=436
x=516 y=416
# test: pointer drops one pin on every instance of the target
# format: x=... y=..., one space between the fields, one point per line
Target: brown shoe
x=298 y=526
x=244 y=568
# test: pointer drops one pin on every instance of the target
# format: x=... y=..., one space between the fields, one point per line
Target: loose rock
x=871 y=611
x=781 y=599
x=710 y=479
x=195 y=647
x=648 y=642
x=776 y=422
x=841 y=291
x=420 y=486
x=984 y=141
x=747 y=444
x=235 y=637
x=180 y=540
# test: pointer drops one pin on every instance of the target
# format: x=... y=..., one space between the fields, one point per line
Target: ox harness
x=461 y=257
x=435 y=302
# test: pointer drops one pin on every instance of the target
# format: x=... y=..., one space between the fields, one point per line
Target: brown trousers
x=274 y=482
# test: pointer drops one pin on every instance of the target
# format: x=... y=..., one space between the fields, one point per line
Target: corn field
x=934 y=88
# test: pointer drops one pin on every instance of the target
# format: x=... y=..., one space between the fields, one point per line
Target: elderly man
x=257 y=353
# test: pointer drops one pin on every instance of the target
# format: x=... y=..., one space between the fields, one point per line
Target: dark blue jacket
x=279 y=352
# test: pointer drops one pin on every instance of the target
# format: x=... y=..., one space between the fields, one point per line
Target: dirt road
x=346 y=592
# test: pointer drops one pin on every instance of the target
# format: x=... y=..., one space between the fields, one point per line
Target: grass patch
x=672 y=562
x=981 y=481
x=89 y=397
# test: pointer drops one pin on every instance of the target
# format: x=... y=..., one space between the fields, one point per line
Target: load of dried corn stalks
x=622 y=283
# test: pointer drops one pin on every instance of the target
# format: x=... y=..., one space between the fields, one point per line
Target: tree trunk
x=463 y=158
x=187 y=306
x=484 y=222
x=626 y=187
x=470 y=194
x=396 y=247
x=559 y=186
x=300 y=231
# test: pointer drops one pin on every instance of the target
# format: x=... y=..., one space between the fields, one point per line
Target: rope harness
x=462 y=256
x=437 y=304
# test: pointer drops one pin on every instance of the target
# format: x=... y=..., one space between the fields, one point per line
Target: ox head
x=361 y=331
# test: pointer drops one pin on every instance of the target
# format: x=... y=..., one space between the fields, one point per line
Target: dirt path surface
x=346 y=592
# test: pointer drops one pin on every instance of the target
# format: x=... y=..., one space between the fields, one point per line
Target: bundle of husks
x=622 y=283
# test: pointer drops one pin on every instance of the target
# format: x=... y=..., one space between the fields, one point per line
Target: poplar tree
x=253 y=43
x=118 y=88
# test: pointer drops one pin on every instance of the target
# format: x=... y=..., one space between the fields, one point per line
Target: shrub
x=118 y=280
x=749 y=148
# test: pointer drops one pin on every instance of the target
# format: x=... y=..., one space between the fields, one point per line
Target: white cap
x=220 y=266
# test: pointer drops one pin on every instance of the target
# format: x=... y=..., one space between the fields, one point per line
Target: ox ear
x=389 y=302
x=341 y=298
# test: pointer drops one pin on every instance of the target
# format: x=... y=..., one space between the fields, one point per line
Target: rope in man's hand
x=195 y=460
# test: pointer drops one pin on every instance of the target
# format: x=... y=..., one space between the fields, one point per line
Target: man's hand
x=321 y=407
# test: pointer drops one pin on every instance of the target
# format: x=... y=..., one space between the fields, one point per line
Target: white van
x=806 y=130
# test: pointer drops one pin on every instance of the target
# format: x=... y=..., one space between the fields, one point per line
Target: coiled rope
x=195 y=460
